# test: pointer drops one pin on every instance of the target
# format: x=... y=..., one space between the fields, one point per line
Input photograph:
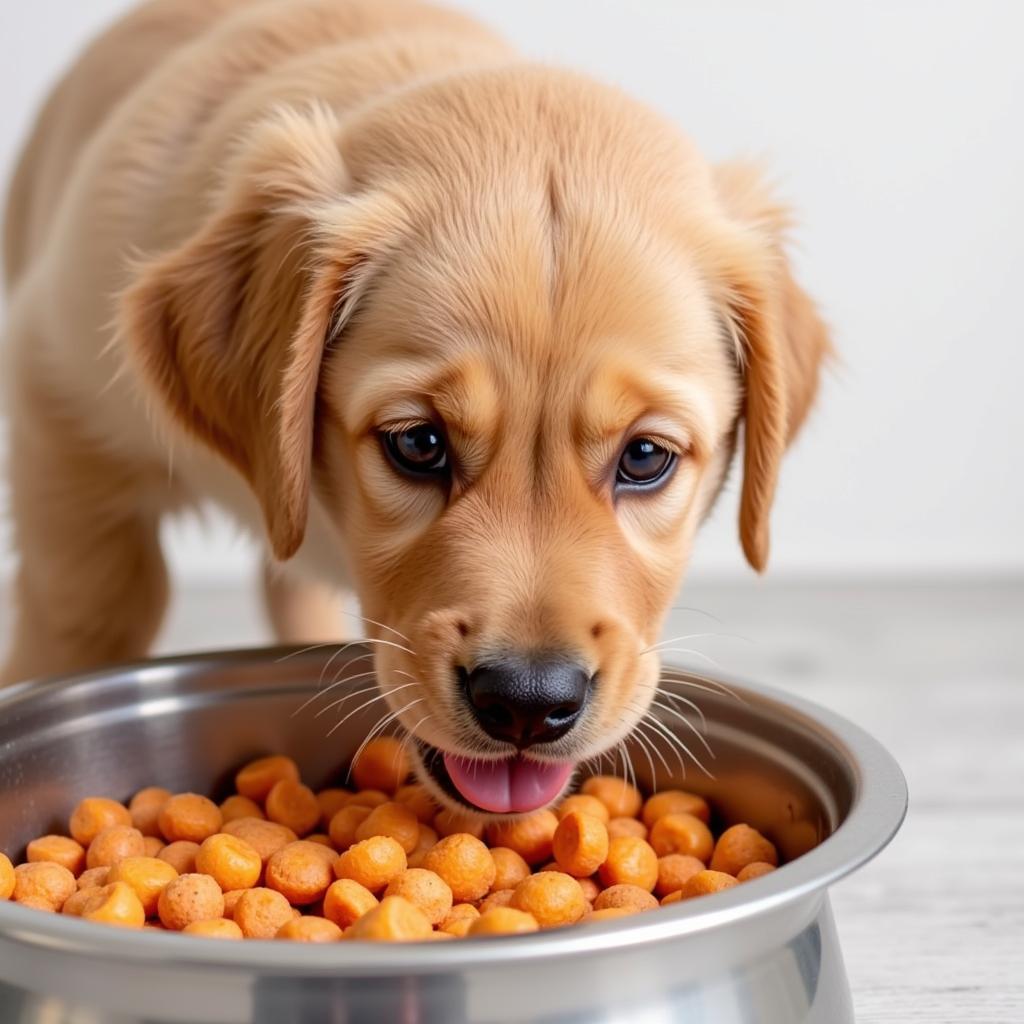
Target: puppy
x=472 y=336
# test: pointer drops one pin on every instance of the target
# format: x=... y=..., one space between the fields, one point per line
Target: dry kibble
x=580 y=844
x=231 y=862
x=261 y=913
x=346 y=901
x=259 y=777
x=606 y=914
x=43 y=885
x=368 y=798
x=189 y=898
x=394 y=920
x=372 y=862
x=191 y=817
x=113 y=845
x=551 y=897
x=180 y=855
x=457 y=929
x=151 y=846
x=417 y=798
x=293 y=805
x=739 y=846
x=237 y=806
x=590 y=889
x=144 y=809
x=146 y=876
x=682 y=833
x=424 y=889
x=530 y=836
x=342 y=827
x=630 y=898
x=231 y=898
x=301 y=872
x=497 y=898
x=673 y=871
x=755 y=869
x=630 y=861
x=215 y=928
x=116 y=904
x=706 y=882
x=94 y=877
x=321 y=840
x=310 y=929
x=503 y=921
x=391 y=819
x=6 y=877
x=509 y=868
x=459 y=912
x=583 y=802
x=382 y=764
x=626 y=827
x=427 y=840
x=331 y=801
x=465 y=863
x=58 y=850
x=93 y=815
x=621 y=799
x=265 y=837
x=453 y=823
x=675 y=801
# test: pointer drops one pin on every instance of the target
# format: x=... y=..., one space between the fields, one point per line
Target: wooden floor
x=933 y=930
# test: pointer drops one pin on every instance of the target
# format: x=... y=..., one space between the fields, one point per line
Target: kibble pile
x=278 y=860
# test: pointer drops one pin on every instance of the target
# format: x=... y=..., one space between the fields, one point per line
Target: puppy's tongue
x=513 y=786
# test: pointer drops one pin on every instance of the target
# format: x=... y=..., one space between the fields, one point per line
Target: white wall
x=896 y=131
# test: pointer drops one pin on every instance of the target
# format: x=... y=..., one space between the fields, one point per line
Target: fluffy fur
x=245 y=238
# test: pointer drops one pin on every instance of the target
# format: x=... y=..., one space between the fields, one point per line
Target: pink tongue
x=513 y=786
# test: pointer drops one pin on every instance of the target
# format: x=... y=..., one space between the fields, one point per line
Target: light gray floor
x=933 y=930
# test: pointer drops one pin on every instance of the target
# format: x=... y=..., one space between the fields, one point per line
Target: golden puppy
x=473 y=336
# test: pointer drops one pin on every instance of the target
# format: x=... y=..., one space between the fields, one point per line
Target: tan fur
x=309 y=221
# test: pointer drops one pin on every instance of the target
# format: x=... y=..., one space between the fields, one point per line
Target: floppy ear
x=781 y=343
x=229 y=329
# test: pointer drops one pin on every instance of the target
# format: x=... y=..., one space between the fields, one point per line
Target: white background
x=896 y=131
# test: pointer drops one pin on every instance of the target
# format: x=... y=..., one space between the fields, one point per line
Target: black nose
x=527 y=701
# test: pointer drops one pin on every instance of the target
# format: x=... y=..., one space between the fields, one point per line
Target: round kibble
x=583 y=802
x=631 y=861
x=459 y=912
x=580 y=844
x=590 y=889
x=706 y=882
x=144 y=809
x=368 y=798
x=189 y=898
x=113 y=845
x=259 y=777
x=382 y=764
x=331 y=801
x=607 y=914
x=675 y=801
x=372 y=862
x=682 y=833
x=238 y=806
x=301 y=872
x=394 y=920
x=509 y=868
x=530 y=836
x=427 y=840
x=551 y=897
x=92 y=815
x=497 y=898
x=626 y=827
x=93 y=877
x=622 y=799
x=343 y=826
x=739 y=846
x=58 y=850
x=346 y=901
x=43 y=885
x=191 y=817
x=391 y=819
x=261 y=913
x=7 y=877
x=453 y=823
x=147 y=877
x=423 y=889
x=116 y=904
x=216 y=928
x=630 y=898
x=309 y=929
x=465 y=863
x=755 y=869
x=293 y=805
x=152 y=846
x=457 y=929
x=417 y=798
x=673 y=871
x=180 y=855
x=503 y=921
x=231 y=862
x=265 y=837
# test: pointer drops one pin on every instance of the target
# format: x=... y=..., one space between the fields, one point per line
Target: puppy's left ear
x=781 y=342
x=228 y=330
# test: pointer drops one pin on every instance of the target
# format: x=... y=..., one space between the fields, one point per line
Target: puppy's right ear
x=229 y=329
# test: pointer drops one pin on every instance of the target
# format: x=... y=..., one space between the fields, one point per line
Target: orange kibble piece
x=261 y=913
x=622 y=799
x=706 y=882
x=83 y=899
x=459 y=912
x=189 y=816
x=755 y=869
x=531 y=836
x=465 y=863
x=91 y=878
x=343 y=825
x=237 y=806
x=321 y=840
x=93 y=815
x=144 y=809
x=382 y=764
x=605 y=914
x=675 y=801
x=427 y=841
x=673 y=871
x=189 y=898
x=630 y=861
x=293 y=805
x=424 y=889
x=372 y=862
x=739 y=846
x=368 y=798
x=551 y=897
x=590 y=889
x=114 y=844
x=265 y=837
x=309 y=929
x=417 y=798
x=146 y=876
x=215 y=928
x=231 y=862
x=151 y=846
x=259 y=777
x=584 y=802
x=58 y=850
x=393 y=820
x=231 y=898
x=7 y=877
x=503 y=921
x=682 y=833
x=180 y=855
x=453 y=823
x=626 y=827
x=43 y=885
x=116 y=903
x=509 y=868
x=301 y=872
x=497 y=898
x=580 y=844
x=394 y=920
x=331 y=801
x=630 y=898
x=346 y=901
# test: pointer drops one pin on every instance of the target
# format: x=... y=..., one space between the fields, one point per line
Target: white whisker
x=688 y=724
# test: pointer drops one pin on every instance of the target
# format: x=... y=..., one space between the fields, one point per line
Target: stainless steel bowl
x=765 y=951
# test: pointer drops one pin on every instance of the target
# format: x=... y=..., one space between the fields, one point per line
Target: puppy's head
x=504 y=329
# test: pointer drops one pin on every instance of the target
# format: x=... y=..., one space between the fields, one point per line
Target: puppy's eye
x=417 y=451
x=644 y=463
